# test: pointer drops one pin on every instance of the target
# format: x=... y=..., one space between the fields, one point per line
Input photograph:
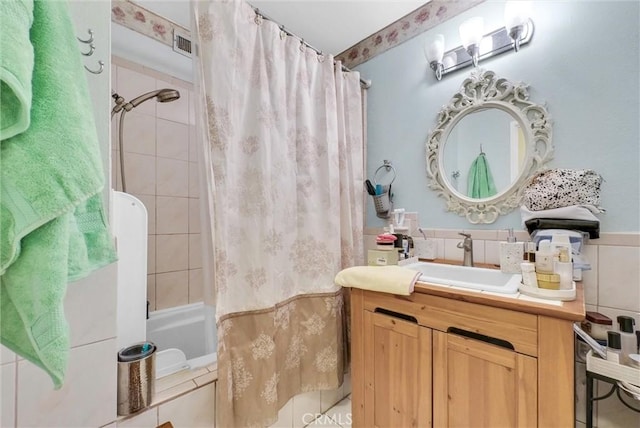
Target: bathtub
x=181 y=335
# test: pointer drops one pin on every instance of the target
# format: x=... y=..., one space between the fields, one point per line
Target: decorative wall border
x=143 y=21
x=420 y=20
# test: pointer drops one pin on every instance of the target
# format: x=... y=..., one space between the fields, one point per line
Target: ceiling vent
x=182 y=43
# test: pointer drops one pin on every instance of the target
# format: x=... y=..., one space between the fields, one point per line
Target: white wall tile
x=194 y=150
x=492 y=252
x=132 y=84
x=172 y=140
x=196 y=286
x=139 y=133
x=151 y=254
x=172 y=253
x=619 y=277
x=114 y=74
x=195 y=251
x=172 y=177
x=172 y=289
x=90 y=306
x=195 y=409
x=140 y=174
x=172 y=215
x=151 y=291
x=87 y=398
x=192 y=108
x=6 y=356
x=451 y=250
x=146 y=419
x=478 y=251
x=178 y=110
x=590 y=277
x=194 y=180
x=7 y=395
x=194 y=215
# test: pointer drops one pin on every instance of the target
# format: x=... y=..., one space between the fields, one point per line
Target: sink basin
x=474 y=278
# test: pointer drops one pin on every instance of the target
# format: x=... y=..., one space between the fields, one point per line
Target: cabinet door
x=397 y=369
x=477 y=384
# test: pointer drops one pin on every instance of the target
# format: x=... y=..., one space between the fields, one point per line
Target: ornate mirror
x=488 y=141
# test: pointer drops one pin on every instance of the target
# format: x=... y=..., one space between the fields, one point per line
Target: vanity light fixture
x=517 y=31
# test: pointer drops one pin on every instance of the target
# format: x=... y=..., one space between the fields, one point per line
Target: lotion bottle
x=511 y=253
x=627 y=338
x=564 y=268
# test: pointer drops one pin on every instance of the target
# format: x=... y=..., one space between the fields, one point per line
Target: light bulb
x=516 y=13
x=434 y=49
x=471 y=31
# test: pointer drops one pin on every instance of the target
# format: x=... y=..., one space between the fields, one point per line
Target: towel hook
x=89 y=40
x=92 y=48
x=100 y=70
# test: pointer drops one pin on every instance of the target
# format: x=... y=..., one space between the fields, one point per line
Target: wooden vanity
x=454 y=358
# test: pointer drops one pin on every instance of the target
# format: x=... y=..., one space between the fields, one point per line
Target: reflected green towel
x=480 y=182
x=16 y=66
x=52 y=225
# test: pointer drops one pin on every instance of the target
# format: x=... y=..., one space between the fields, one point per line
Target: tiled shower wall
x=162 y=171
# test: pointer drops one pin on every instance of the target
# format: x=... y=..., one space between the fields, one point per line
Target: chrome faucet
x=467 y=246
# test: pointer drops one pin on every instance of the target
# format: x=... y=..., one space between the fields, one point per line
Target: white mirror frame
x=480 y=91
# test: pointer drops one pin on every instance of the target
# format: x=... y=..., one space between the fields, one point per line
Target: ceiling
x=331 y=26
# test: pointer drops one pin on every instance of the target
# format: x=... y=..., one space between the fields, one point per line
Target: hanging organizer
x=383 y=199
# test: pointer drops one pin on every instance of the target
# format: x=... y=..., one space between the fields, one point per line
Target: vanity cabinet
x=397 y=372
x=459 y=359
x=481 y=384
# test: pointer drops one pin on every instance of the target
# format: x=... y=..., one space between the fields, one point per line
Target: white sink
x=467 y=277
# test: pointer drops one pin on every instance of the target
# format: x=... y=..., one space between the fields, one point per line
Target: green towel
x=16 y=66
x=480 y=182
x=52 y=224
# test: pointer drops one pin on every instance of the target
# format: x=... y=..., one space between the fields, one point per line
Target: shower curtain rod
x=366 y=84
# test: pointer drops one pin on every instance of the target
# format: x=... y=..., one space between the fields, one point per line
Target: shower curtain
x=284 y=168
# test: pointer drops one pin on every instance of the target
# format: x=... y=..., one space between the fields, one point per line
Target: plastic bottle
x=627 y=338
x=614 y=348
x=564 y=268
x=529 y=274
x=544 y=257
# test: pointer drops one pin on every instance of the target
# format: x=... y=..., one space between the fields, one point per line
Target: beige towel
x=386 y=279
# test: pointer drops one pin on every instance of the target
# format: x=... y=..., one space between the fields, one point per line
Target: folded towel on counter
x=52 y=225
x=16 y=66
x=589 y=226
x=386 y=279
x=573 y=212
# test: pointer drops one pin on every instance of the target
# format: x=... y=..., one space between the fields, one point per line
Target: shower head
x=163 y=96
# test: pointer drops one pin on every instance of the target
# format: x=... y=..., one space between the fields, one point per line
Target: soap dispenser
x=511 y=253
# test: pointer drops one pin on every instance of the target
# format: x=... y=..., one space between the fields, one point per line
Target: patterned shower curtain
x=284 y=167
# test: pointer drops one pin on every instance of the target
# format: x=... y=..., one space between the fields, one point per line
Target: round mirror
x=489 y=140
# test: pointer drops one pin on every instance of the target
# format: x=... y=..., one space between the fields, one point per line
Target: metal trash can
x=136 y=377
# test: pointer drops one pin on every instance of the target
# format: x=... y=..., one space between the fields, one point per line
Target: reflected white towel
x=385 y=279
x=573 y=212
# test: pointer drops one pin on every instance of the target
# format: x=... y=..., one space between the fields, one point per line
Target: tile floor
x=339 y=416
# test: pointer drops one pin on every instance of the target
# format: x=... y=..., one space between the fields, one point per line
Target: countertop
x=572 y=310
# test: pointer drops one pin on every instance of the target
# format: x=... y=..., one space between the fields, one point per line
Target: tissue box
x=382 y=257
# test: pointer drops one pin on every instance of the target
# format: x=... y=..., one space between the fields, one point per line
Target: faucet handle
x=466 y=235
